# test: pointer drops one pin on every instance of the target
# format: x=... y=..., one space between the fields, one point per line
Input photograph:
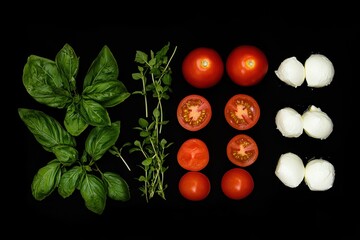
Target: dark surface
x=271 y=202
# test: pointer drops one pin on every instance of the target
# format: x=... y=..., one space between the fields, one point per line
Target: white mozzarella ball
x=290 y=169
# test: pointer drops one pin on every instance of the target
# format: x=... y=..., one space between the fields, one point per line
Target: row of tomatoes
x=203 y=68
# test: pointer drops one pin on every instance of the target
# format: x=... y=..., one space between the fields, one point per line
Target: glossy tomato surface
x=194 y=112
x=194 y=186
x=242 y=150
x=242 y=111
x=237 y=183
x=193 y=154
x=203 y=67
x=247 y=65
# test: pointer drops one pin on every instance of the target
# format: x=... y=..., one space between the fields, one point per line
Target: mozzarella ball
x=316 y=123
x=319 y=175
x=319 y=71
x=291 y=71
x=289 y=122
x=290 y=169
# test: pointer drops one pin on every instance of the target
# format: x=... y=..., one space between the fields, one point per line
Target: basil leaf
x=67 y=155
x=46 y=129
x=93 y=192
x=94 y=113
x=46 y=180
x=103 y=69
x=74 y=123
x=108 y=94
x=100 y=139
x=117 y=187
x=68 y=64
x=70 y=180
x=44 y=82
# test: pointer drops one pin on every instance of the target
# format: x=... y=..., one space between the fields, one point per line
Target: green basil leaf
x=68 y=64
x=44 y=82
x=103 y=69
x=46 y=129
x=67 y=155
x=108 y=94
x=70 y=180
x=100 y=139
x=74 y=123
x=94 y=113
x=93 y=192
x=46 y=180
x=117 y=187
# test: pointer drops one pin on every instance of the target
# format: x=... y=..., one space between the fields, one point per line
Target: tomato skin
x=242 y=150
x=203 y=67
x=193 y=155
x=242 y=111
x=247 y=65
x=237 y=183
x=194 y=112
x=194 y=186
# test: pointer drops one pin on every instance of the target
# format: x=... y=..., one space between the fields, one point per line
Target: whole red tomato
x=203 y=67
x=194 y=186
x=237 y=183
x=246 y=65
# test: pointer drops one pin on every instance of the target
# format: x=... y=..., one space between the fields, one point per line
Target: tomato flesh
x=194 y=112
x=242 y=150
x=242 y=112
x=193 y=155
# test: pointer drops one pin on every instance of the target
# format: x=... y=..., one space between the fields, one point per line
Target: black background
x=271 y=202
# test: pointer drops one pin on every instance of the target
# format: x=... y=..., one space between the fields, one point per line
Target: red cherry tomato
x=242 y=111
x=237 y=183
x=194 y=112
x=246 y=65
x=203 y=67
x=194 y=186
x=193 y=155
x=242 y=150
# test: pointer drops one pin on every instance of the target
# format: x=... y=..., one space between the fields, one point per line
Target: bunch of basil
x=53 y=83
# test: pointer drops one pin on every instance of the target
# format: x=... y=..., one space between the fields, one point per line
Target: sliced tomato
x=242 y=111
x=194 y=112
x=242 y=150
x=193 y=155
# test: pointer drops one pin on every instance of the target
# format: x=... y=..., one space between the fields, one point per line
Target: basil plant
x=53 y=83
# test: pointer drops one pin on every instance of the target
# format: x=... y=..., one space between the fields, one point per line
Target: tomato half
x=242 y=111
x=237 y=183
x=242 y=150
x=194 y=186
x=246 y=65
x=203 y=67
x=193 y=155
x=194 y=112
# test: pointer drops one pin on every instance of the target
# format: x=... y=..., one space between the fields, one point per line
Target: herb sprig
x=155 y=74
